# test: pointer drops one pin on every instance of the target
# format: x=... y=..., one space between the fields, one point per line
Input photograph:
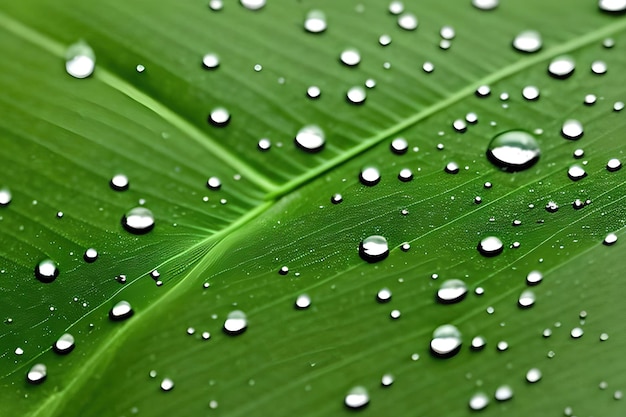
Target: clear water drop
x=336 y=199
x=612 y=6
x=387 y=380
x=562 y=67
x=167 y=384
x=384 y=40
x=428 y=67
x=399 y=146
x=514 y=150
x=64 y=344
x=210 y=61
x=471 y=118
x=576 y=173
x=396 y=7
x=357 y=398
x=452 y=168
x=503 y=393
x=37 y=373
x=533 y=375
x=490 y=246
x=598 y=67
x=253 y=4
x=216 y=5
x=383 y=295
x=408 y=21
x=528 y=41
x=479 y=401
x=315 y=22
x=313 y=92
x=459 y=125
x=483 y=91
x=214 y=183
x=552 y=207
x=219 y=117
x=446 y=341
x=90 y=255
x=579 y=153
x=534 y=277
x=80 y=60
x=613 y=165
x=119 y=182
x=5 y=197
x=350 y=57
x=310 y=138
x=264 y=144
x=236 y=323
x=604 y=337
x=451 y=291
x=445 y=44
x=590 y=99
x=46 y=271
x=374 y=248
x=356 y=95
x=485 y=4
x=121 y=311
x=572 y=129
x=303 y=301
x=369 y=176
x=526 y=299
x=610 y=239
x=395 y=314
x=530 y=93
x=447 y=32
x=284 y=270
x=138 y=220
x=618 y=106
x=478 y=343
x=405 y=175
x=576 y=333
x=502 y=346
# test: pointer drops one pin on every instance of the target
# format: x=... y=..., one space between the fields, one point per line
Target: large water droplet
x=485 y=4
x=369 y=176
x=561 y=67
x=612 y=6
x=526 y=299
x=610 y=239
x=350 y=57
x=384 y=295
x=514 y=150
x=374 y=248
x=91 y=255
x=357 y=398
x=613 y=165
x=214 y=183
x=452 y=168
x=356 y=95
x=479 y=401
x=119 y=182
x=490 y=246
x=534 y=277
x=451 y=291
x=64 y=344
x=46 y=271
x=315 y=21
x=528 y=41
x=167 y=384
x=533 y=375
x=572 y=129
x=407 y=21
x=80 y=60
x=253 y=4
x=219 y=117
x=236 y=323
x=121 y=311
x=503 y=393
x=5 y=197
x=576 y=172
x=210 y=61
x=138 y=220
x=310 y=138
x=37 y=373
x=446 y=341
x=303 y=301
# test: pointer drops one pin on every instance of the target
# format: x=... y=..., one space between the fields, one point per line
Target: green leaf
x=63 y=139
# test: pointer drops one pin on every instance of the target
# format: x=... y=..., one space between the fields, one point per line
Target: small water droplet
x=576 y=332
x=610 y=239
x=395 y=314
x=533 y=375
x=579 y=153
x=405 y=175
x=618 y=395
x=446 y=341
x=502 y=346
x=383 y=295
x=19 y=351
x=483 y=91
x=447 y=32
x=514 y=150
x=590 y=99
x=284 y=270
x=350 y=57
x=598 y=67
x=357 y=398
x=604 y=337
x=374 y=248
x=236 y=323
x=369 y=176
x=528 y=41
x=612 y=6
x=572 y=129
x=384 y=40
x=310 y=138
x=479 y=401
x=121 y=311
x=490 y=246
x=530 y=93
x=140 y=68
x=613 y=165
x=399 y=146
x=459 y=125
x=408 y=21
x=526 y=299
x=336 y=199
x=478 y=343
x=64 y=344
x=119 y=182
x=219 y=117
x=315 y=22
x=5 y=197
x=618 y=106
x=534 y=277
x=167 y=384
x=253 y=4
x=608 y=43
x=138 y=220
x=46 y=271
x=503 y=393
x=428 y=67
x=210 y=61
x=552 y=207
x=264 y=144
x=576 y=173
x=356 y=95
x=80 y=60
x=387 y=380
x=471 y=118
x=396 y=7
x=214 y=183
x=405 y=247
x=451 y=291
x=313 y=92
x=562 y=67
x=445 y=44
x=37 y=373
x=303 y=301
x=452 y=168
x=485 y=4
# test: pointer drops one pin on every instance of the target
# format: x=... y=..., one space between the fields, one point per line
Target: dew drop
x=514 y=150
x=534 y=277
x=452 y=168
x=407 y=21
x=384 y=40
x=618 y=106
x=445 y=44
x=284 y=270
x=374 y=248
x=138 y=220
x=479 y=401
x=216 y=5
x=395 y=314
x=336 y=199
x=369 y=176
x=356 y=95
x=428 y=67
x=313 y=92
x=210 y=61
x=562 y=67
x=219 y=117
x=350 y=57
x=613 y=165
x=64 y=344
x=478 y=343
x=119 y=182
x=576 y=173
x=471 y=118
x=446 y=341
x=80 y=60
x=167 y=384
x=528 y=41
x=598 y=67
x=485 y=4
x=253 y=4
x=405 y=175
x=530 y=93
x=396 y=7
x=503 y=393
x=399 y=146
x=264 y=144
x=315 y=22
x=590 y=99
x=612 y=6
x=46 y=271
x=387 y=380
x=451 y=291
x=502 y=346
x=576 y=332
x=37 y=373
x=310 y=138
x=604 y=337
x=608 y=43
x=610 y=239
x=579 y=153
x=383 y=295
x=121 y=311
x=447 y=32
x=490 y=246
x=533 y=375
x=303 y=301
x=236 y=323
x=5 y=197
x=483 y=91
x=552 y=207
x=526 y=299
x=214 y=183
x=357 y=398
x=572 y=129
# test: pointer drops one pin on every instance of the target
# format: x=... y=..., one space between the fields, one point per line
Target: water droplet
x=405 y=247
x=490 y=246
x=530 y=93
x=210 y=61
x=485 y=4
x=350 y=57
x=618 y=106
x=310 y=138
x=383 y=295
x=428 y=67
x=121 y=311
x=395 y=314
x=533 y=375
x=451 y=291
x=608 y=43
x=618 y=395
x=576 y=172
x=236 y=323
x=336 y=199
x=374 y=248
x=610 y=239
x=80 y=60
x=447 y=32
x=590 y=99
x=253 y=4
x=576 y=332
x=119 y=182
x=613 y=165
x=572 y=129
x=396 y=7
x=357 y=398
x=552 y=207
x=387 y=380
x=534 y=277
x=46 y=271
x=5 y=197
x=369 y=176
x=528 y=41
x=526 y=299
x=216 y=5
x=452 y=168
x=407 y=21
x=313 y=92
x=446 y=341
x=479 y=401
x=502 y=346
x=504 y=393
x=140 y=68
x=37 y=373
x=284 y=270
x=445 y=44
x=483 y=91
x=405 y=175
x=546 y=333
x=315 y=22
x=514 y=150
x=399 y=146
x=384 y=40
x=214 y=183
x=562 y=67
x=356 y=95
x=471 y=118
x=138 y=220
x=598 y=67
x=219 y=117
x=579 y=153
x=167 y=384
x=64 y=344
x=478 y=199
x=604 y=337
x=303 y=301
x=612 y=6
x=19 y=351
x=264 y=144
x=478 y=343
